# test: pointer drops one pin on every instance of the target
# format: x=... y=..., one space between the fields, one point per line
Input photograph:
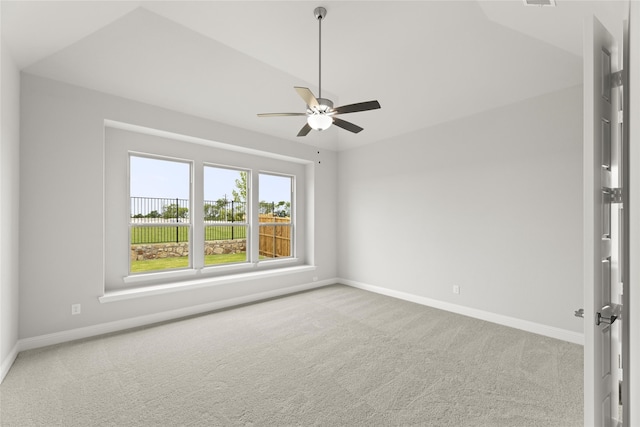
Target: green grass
x=215 y=232
x=143 y=235
x=183 y=262
x=224 y=258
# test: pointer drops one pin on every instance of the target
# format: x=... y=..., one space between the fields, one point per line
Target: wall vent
x=540 y=3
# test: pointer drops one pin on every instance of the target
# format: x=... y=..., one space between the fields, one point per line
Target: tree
x=281 y=209
x=216 y=211
x=173 y=211
x=153 y=214
x=239 y=198
x=241 y=185
x=210 y=212
x=266 y=207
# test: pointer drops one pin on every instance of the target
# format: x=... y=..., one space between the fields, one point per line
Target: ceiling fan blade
x=280 y=114
x=346 y=125
x=354 y=108
x=307 y=95
x=305 y=130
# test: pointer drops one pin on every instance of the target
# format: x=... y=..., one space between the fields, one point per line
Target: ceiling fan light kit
x=319 y=121
x=320 y=112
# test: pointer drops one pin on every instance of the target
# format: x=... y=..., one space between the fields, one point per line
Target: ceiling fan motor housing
x=324 y=105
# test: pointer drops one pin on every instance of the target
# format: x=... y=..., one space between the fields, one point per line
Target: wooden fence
x=275 y=240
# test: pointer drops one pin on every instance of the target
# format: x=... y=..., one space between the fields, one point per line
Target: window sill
x=149 y=277
x=209 y=270
x=199 y=283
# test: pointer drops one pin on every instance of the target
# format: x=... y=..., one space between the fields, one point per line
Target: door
x=604 y=228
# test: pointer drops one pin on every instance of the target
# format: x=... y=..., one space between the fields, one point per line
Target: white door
x=604 y=229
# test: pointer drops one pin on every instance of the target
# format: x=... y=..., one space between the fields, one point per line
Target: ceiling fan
x=320 y=111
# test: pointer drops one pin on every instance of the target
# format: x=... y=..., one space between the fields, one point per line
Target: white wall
x=61 y=208
x=9 y=202
x=491 y=203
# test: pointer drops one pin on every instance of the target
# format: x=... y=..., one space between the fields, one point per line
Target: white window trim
x=168 y=288
x=196 y=228
x=131 y=277
x=248 y=224
x=209 y=275
x=291 y=224
x=212 y=270
x=159 y=275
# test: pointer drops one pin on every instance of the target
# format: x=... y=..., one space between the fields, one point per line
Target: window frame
x=120 y=140
x=189 y=224
x=292 y=213
x=248 y=209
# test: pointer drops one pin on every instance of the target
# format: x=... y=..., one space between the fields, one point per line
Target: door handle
x=608 y=314
x=600 y=319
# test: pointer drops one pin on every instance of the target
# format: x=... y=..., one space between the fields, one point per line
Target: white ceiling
x=427 y=62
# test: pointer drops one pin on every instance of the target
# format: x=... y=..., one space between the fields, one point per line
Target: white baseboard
x=120 y=325
x=8 y=362
x=525 y=325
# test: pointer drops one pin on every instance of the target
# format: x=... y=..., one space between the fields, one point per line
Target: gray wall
x=61 y=174
x=491 y=203
x=498 y=194
x=9 y=203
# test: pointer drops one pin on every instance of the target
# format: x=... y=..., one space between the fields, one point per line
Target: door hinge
x=616 y=195
x=617 y=79
x=620 y=393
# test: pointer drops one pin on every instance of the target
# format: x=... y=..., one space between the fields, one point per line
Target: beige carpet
x=334 y=356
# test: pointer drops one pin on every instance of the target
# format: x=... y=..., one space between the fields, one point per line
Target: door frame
x=633 y=79
x=631 y=390
x=600 y=390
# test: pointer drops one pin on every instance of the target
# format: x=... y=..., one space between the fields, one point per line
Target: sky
x=170 y=179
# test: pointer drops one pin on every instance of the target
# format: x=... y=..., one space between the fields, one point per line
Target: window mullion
x=197 y=225
x=255 y=222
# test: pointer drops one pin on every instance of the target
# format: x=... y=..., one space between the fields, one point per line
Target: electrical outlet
x=75 y=309
x=456 y=289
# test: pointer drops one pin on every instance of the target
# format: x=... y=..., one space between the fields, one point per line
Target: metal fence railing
x=159 y=210
x=159 y=220
x=164 y=220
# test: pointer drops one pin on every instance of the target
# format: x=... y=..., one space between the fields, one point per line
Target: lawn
x=146 y=234
x=183 y=262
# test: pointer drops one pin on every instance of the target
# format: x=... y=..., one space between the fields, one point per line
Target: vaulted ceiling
x=427 y=62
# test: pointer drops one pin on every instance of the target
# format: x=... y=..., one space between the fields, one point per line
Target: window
x=193 y=210
x=226 y=218
x=160 y=224
x=275 y=216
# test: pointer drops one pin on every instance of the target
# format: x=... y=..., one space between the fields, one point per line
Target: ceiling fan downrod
x=320 y=13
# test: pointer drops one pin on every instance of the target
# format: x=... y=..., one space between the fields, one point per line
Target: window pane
x=225 y=215
x=159 y=214
x=275 y=216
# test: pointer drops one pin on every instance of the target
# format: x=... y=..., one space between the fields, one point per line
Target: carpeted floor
x=334 y=356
